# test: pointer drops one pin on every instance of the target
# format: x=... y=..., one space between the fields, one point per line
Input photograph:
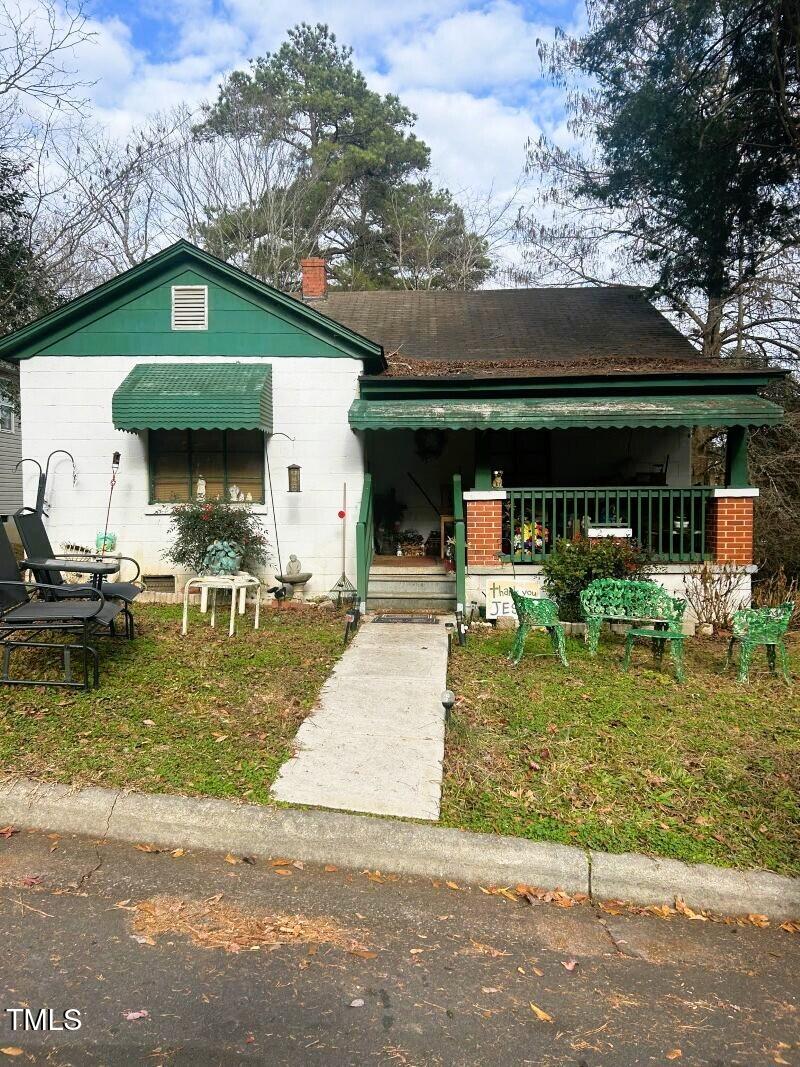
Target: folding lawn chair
x=48 y=568
x=22 y=619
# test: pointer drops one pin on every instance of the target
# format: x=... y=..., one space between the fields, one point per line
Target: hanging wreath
x=429 y=444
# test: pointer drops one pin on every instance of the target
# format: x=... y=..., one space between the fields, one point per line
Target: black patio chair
x=48 y=567
x=23 y=618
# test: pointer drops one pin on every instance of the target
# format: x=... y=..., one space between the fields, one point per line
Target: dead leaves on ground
x=213 y=924
x=541 y=1015
x=535 y=895
x=665 y=911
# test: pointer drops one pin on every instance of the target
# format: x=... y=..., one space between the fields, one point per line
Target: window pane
x=246 y=462
x=168 y=457
x=208 y=465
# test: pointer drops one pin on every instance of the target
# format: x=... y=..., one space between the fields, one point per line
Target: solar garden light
x=448 y=700
x=449 y=627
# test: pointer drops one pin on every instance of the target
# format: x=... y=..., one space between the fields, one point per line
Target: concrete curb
x=358 y=842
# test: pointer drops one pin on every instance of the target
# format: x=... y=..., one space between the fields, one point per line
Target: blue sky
x=470 y=71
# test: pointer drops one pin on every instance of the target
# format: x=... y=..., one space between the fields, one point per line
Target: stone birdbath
x=295 y=578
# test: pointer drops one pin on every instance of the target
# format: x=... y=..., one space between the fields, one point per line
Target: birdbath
x=294 y=578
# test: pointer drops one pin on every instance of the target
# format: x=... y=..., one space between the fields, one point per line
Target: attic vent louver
x=189 y=307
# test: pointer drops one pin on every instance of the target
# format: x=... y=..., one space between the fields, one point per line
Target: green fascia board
x=115 y=293
x=195 y=396
x=510 y=413
x=744 y=381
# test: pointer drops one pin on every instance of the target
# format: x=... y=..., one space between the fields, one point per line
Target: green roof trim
x=195 y=396
x=32 y=339
x=564 y=412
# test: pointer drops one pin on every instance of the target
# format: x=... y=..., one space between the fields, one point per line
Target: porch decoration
x=294 y=477
x=760 y=626
x=410 y=543
x=429 y=443
x=223 y=557
x=532 y=613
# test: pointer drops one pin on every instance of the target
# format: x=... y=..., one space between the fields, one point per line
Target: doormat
x=425 y=620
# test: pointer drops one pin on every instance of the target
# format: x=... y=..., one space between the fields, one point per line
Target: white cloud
x=481 y=51
x=476 y=142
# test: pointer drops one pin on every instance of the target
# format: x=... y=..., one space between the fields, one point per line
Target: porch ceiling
x=564 y=412
x=195 y=396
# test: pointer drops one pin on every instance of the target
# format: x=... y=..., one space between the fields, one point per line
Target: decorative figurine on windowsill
x=497 y=479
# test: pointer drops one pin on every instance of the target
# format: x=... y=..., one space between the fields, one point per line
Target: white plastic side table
x=238 y=584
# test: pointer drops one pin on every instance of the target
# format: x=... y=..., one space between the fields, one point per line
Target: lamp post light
x=448 y=700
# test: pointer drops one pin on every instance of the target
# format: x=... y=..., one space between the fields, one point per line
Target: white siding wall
x=66 y=403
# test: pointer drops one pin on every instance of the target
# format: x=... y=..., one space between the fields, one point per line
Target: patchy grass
x=705 y=772
x=203 y=714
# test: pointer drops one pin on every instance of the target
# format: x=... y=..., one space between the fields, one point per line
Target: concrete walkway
x=376 y=741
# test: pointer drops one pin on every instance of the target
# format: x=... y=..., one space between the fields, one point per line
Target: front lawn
x=705 y=772
x=202 y=714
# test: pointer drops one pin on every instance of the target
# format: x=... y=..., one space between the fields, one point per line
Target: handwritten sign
x=499 y=604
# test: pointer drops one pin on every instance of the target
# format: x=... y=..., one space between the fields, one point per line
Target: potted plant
x=197 y=526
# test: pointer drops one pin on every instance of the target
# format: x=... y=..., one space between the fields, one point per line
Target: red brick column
x=484 y=532
x=730 y=529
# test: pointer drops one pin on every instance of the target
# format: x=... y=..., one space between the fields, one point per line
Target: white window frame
x=7 y=404
x=185 y=288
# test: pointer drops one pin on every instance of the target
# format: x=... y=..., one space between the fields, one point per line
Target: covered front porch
x=491 y=474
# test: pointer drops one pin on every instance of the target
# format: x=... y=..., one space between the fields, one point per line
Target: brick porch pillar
x=730 y=526
x=484 y=526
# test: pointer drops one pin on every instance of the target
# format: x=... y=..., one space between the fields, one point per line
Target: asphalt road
x=443 y=976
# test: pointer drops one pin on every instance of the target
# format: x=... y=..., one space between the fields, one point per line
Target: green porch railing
x=365 y=542
x=460 y=543
x=669 y=523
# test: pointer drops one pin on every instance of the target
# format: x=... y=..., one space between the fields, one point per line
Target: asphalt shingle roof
x=512 y=327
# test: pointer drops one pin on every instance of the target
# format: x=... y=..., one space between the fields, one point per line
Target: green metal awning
x=195 y=396
x=564 y=412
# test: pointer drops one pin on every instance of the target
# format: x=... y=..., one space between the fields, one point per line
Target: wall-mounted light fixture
x=294 y=478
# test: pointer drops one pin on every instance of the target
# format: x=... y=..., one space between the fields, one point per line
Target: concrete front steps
x=426 y=587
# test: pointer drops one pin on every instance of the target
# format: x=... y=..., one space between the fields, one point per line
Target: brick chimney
x=315 y=282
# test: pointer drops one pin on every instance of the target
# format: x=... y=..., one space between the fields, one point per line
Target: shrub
x=195 y=525
x=574 y=564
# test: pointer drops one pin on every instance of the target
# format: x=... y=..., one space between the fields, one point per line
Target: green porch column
x=737 y=474
x=483 y=461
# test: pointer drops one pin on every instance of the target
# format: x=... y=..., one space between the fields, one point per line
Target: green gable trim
x=233 y=331
x=195 y=396
x=558 y=413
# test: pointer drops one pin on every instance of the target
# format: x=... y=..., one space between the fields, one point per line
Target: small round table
x=238 y=584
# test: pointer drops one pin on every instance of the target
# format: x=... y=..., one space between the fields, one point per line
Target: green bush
x=195 y=525
x=574 y=564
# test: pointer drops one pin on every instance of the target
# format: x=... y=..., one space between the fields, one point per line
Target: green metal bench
x=533 y=612
x=760 y=626
x=622 y=601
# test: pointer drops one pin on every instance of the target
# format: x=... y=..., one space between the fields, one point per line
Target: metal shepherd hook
x=114 y=468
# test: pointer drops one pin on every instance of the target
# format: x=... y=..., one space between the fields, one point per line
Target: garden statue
x=294 y=578
x=200 y=492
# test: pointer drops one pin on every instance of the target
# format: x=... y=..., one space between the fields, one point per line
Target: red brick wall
x=730 y=530
x=484 y=532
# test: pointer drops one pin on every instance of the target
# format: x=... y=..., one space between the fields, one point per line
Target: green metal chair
x=533 y=612
x=760 y=626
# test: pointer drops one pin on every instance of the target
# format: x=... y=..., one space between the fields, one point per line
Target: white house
x=498 y=420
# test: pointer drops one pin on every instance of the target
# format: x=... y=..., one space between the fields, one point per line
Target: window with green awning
x=195 y=396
